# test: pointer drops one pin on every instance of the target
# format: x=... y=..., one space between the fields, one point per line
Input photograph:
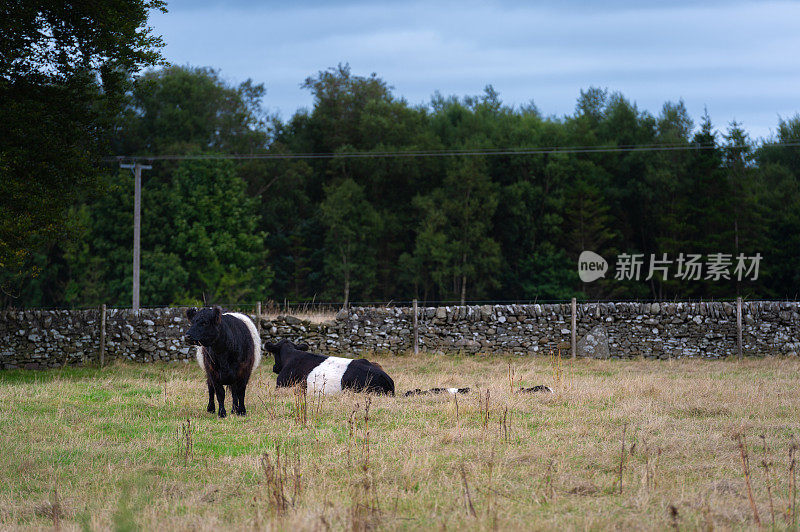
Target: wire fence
x=549 y=150
x=302 y=306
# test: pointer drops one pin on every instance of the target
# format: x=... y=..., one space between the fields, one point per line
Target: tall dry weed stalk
x=483 y=408
x=270 y=404
x=467 y=495
x=765 y=465
x=185 y=441
x=300 y=393
x=503 y=423
x=351 y=432
x=512 y=377
x=793 y=447
x=366 y=433
x=316 y=399
x=549 y=486
x=455 y=405
x=571 y=373
x=283 y=479
x=491 y=506
x=742 y=443
x=556 y=367
x=365 y=512
x=651 y=467
x=560 y=377
x=622 y=457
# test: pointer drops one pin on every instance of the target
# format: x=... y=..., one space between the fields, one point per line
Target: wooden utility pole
x=137 y=225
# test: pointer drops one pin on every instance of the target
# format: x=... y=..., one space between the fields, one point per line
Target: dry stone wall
x=37 y=338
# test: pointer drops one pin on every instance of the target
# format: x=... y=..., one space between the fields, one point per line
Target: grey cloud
x=733 y=57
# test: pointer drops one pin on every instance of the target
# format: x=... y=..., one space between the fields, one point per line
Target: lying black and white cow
x=228 y=349
x=295 y=365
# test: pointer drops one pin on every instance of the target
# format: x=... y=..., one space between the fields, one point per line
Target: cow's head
x=204 y=325
x=278 y=347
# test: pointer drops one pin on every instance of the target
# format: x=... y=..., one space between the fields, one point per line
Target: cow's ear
x=302 y=347
x=190 y=313
x=275 y=349
x=217 y=315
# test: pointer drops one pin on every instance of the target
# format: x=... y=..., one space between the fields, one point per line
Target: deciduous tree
x=63 y=70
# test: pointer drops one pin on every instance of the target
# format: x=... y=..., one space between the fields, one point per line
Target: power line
x=449 y=153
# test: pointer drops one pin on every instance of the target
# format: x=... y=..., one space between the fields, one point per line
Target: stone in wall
x=594 y=344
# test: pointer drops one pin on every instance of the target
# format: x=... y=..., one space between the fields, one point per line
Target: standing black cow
x=326 y=374
x=228 y=349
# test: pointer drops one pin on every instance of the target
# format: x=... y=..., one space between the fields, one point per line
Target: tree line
x=368 y=222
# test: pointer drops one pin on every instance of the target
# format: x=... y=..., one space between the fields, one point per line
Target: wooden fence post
x=102 y=335
x=574 y=329
x=258 y=318
x=416 y=330
x=739 y=327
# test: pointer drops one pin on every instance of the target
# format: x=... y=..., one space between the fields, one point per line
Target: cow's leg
x=220 y=392
x=236 y=400
x=238 y=392
x=210 y=407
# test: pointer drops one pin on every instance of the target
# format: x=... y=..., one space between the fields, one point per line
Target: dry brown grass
x=311 y=312
x=312 y=316
x=98 y=449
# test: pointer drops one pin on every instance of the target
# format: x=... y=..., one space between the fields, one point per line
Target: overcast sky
x=741 y=60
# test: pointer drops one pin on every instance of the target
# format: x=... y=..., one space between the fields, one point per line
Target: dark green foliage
x=179 y=110
x=351 y=224
x=200 y=240
x=458 y=218
x=207 y=227
x=63 y=72
x=455 y=228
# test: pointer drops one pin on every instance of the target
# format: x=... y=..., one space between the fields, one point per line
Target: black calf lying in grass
x=295 y=365
x=228 y=349
x=534 y=389
x=436 y=391
x=453 y=391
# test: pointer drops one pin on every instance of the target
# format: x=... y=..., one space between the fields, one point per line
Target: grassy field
x=92 y=449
